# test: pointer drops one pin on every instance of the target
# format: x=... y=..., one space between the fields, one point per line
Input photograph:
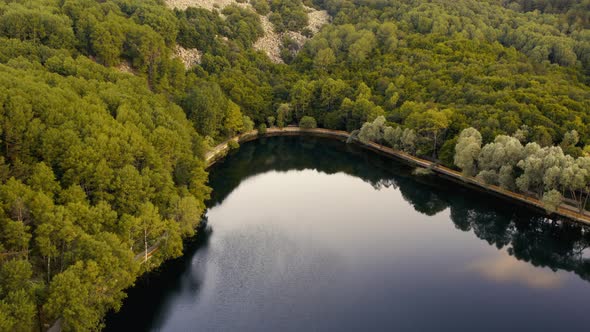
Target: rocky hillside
x=270 y=43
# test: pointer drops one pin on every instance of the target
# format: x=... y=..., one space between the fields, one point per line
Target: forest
x=103 y=129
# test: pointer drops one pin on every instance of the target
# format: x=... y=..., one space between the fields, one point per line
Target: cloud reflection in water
x=504 y=268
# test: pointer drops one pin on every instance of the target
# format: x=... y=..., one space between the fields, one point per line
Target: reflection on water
x=313 y=234
x=504 y=268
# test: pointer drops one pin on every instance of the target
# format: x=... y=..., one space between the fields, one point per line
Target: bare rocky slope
x=270 y=43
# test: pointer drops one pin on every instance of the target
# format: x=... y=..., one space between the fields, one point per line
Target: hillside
x=108 y=107
x=272 y=41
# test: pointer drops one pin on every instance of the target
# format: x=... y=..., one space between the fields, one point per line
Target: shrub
x=261 y=6
x=307 y=122
x=271 y=121
x=248 y=123
x=233 y=145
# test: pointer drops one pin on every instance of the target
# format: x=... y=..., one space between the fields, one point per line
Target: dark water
x=308 y=234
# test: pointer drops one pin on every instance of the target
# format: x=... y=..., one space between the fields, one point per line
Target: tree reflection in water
x=527 y=235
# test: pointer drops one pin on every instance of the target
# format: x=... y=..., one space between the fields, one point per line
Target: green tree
x=431 y=125
x=271 y=121
x=307 y=122
x=149 y=228
x=248 y=124
x=324 y=59
x=206 y=105
x=301 y=95
x=283 y=115
x=234 y=120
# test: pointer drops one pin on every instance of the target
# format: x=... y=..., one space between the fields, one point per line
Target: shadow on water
x=146 y=298
x=527 y=235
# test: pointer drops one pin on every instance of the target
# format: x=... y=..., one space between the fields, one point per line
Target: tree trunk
x=573 y=193
x=585 y=201
x=435 y=144
x=145 y=244
x=61 y=263
x=48 y=269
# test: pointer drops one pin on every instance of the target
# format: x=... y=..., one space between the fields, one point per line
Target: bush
x=233 y=145
x=248 y=123
x=261 y=6
x=308 y=122
x=288 y=15
x=271 y=121
x=262 y=129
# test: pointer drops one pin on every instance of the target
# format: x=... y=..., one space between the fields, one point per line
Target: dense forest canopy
x=103 y=128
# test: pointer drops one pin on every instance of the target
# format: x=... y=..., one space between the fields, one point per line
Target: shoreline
x=565 y=211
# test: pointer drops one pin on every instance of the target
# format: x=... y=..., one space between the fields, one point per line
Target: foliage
x=271 y=121
x=307 y=122
x=439 y=67
x=288 y=15
x=552 y=200
x=261 y=6
x=243 y=25
x=97 y=166
x=86 y=152
x=545 y=172
x=467 y=150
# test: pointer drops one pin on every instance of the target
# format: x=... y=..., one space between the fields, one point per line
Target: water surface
x=313 y=234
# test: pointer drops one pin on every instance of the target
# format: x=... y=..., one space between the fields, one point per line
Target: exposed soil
x=188 y=56
x=270 y=43
x=207 y=4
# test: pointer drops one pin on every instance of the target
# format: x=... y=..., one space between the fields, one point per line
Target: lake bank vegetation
x=103 y=130
x=544 y=173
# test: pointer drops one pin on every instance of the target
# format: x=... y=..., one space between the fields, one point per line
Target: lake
x=312 y=234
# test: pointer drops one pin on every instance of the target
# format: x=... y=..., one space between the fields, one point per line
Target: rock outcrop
x=270 y=43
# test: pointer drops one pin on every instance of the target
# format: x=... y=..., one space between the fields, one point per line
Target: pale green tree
x=535 y=166
x=372 y=131
x=467 y=150
x=496 y=161
x=393 y=136
x=575 y=179
x=552 y=200
x=409 y=140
